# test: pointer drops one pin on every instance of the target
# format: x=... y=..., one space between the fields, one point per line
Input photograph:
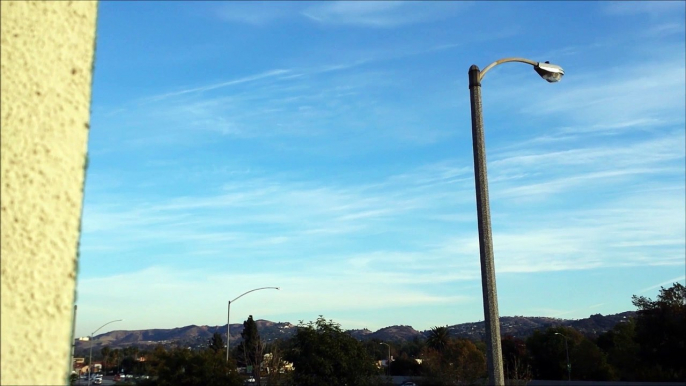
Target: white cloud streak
x=380 y=14
x=667 y=283
x=233 y=82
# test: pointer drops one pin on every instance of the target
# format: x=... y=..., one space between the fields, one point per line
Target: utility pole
x=73 y=344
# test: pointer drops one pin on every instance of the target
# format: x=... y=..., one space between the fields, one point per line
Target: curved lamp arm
x=501 y=61
x=547 y=71
x=90 y=356
x=256 y=289
x=93 y=333
x=228 y=317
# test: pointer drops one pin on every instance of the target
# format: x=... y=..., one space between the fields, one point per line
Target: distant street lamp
x=389 y=358
x=228 y=317
x=569 y=365
x=90 y=356
x=551 y=73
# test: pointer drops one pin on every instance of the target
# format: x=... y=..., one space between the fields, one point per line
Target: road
x=106 y=381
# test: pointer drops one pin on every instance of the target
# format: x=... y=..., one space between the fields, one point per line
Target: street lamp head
x=550 y=72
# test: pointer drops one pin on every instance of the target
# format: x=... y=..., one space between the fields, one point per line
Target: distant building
x=383 y=362
x=283 y=366
x=83 y=368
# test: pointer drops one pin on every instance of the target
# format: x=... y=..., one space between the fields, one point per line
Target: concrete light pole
x=73 y=344
x=228 y=317
x=551 y=73
x=389 y=358
x=90 y=356
x=569 y=365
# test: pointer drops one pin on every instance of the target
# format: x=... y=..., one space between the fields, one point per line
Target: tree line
x=648 y=347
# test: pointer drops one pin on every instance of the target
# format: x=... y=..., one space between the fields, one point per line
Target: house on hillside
x=83 y=369
x=269 y=366
x=78 y=363
x=383 y=363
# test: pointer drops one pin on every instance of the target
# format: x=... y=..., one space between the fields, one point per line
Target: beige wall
x=47 y=57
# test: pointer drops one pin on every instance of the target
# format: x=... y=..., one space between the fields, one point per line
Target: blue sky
x=326 y=148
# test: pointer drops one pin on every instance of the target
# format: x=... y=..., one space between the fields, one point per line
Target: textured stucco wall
x=47 y=57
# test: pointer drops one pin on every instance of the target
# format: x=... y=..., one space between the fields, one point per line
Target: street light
x=569 y=366
x=551 y=73
x=389 y=358
x=90 y=356
x=228 y=316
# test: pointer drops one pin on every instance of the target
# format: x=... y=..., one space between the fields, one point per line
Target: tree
x=406 y=366
x=414 y=347
x=323 y=354
x=661 y=334
x=590 y=363
x=252 y=347
x=468 y=361
x=438 y=338
x=549 y=356
x=105 y=351
x=460 y=362
x=548 y=353
x=183 y=367
x=274 y=364
x=621 y=348
x=515 y=359
x=116 y=355
x=216 y=343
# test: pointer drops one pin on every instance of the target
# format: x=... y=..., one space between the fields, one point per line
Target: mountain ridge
x=198 y=335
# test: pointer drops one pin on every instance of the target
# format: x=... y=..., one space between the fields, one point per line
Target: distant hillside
x=198 y=336
x=524 y=326
x=191 y=336
x=390 y=334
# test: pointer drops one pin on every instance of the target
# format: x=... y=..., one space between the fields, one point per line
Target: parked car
x=97 y=381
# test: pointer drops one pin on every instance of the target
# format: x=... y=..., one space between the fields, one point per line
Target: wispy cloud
x=233 y=82
x=667 y=283
x=256 y=13
x=340 y=166
x=380 y=14
x=293 y=215
x=376 y=14
x=652 y=8
x=324 y=100
x=163 y=292
x=629 y=94
x=666 y=29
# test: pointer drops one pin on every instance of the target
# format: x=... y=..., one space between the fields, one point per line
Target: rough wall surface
x=46 y=61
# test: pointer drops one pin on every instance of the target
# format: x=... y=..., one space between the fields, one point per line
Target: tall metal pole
x=569 y=366
x=389 y=358
x=228 y=316
x=73 y=344
x=228 y=334
x=90 y=357
x=490 y=296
